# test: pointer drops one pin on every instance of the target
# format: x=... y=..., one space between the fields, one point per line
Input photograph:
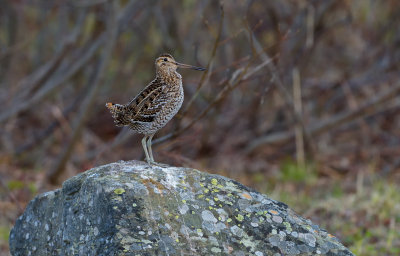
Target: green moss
x=214 y=181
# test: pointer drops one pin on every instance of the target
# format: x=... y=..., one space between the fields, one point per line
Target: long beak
x=189 y=66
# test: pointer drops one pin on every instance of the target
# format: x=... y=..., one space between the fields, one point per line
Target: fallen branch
x=367 y=109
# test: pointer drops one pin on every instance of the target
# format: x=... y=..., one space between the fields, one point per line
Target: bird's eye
x=165 y=59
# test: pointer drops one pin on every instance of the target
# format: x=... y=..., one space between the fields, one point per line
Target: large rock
x=131 y=208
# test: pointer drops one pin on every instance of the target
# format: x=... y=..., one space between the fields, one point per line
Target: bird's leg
x=145 y=149
x=152 y=162
x=149 y=148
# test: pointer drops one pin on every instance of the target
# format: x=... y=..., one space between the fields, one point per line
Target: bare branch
x=59 y=78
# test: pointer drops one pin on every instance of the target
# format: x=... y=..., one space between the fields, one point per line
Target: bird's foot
x=154 y=163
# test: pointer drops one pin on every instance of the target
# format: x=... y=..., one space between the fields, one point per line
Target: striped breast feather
x=149 y=102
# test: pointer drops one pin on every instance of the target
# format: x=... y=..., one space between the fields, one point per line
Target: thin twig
x=205 y=74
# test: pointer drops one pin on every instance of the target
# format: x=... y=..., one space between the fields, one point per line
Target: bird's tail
x=118 y=113
x=114 y=108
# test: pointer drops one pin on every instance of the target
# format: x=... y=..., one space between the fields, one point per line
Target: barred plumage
x=155 y=105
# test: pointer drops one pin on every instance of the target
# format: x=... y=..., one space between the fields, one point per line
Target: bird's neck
x=168 y=74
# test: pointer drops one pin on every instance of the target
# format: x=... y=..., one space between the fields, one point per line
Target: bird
x=155 y=105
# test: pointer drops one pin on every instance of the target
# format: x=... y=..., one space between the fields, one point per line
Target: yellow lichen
x=119 y=191
x=239 y=217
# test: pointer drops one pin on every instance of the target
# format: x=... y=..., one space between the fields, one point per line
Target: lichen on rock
x=132 y=208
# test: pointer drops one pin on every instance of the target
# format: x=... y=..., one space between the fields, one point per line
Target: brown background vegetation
x=300 y=101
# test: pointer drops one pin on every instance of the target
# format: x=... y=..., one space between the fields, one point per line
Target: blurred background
x=300 y=101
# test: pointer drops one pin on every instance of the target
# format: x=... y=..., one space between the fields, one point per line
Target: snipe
x=155 y=105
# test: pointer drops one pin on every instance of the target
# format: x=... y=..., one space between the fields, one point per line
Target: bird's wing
x=148 y=103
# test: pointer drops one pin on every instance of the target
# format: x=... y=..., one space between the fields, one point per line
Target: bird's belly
x=167 y=113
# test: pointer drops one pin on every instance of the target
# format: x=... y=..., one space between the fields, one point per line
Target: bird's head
x=168 y=64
